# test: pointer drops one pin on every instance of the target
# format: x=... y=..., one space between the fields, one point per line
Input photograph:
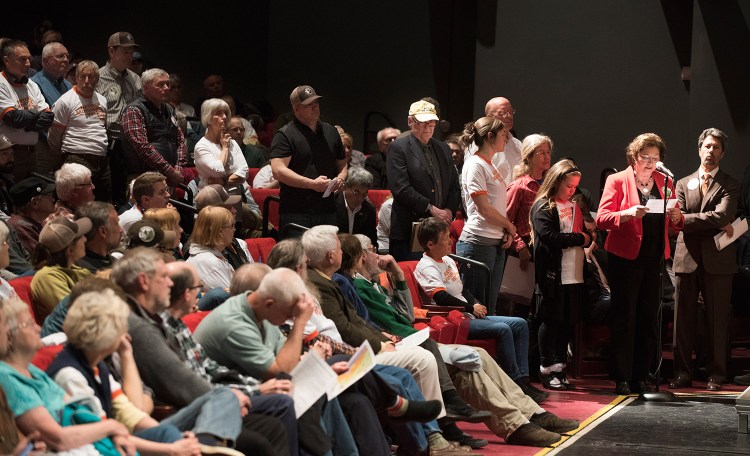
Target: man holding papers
x=708 y=201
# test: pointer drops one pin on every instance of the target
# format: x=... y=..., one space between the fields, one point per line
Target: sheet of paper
x=361 y=362
x=414 y=340
x=331 y=183
x=517 y=283
x=312 y=378
x=722 y=239
x=656 y=206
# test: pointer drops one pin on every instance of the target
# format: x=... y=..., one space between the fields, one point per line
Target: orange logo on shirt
x=450 y=275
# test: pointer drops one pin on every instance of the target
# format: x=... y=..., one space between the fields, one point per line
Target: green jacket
x=381 y=312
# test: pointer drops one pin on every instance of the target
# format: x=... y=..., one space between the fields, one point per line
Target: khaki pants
x=491 y=389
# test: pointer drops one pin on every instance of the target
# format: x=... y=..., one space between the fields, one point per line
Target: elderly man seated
x=74 y=189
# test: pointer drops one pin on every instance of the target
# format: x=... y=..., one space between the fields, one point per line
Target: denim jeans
x=475 y=280
x=216 y=412
x=512 y=342
x=336 y=427
x=163 y=433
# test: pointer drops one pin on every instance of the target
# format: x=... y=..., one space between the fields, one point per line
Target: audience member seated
x=149 y=190
x=61 y=245
x=148 y=233
x=438 y=276
x=375 y=163
x=168 y=219
x=354 y=158
x=35 y=400
x=354 y=213
x=6 y=290
x=74 y=189
x=214 y=232
x=143 y=275
x=216 y=196
x=105 y=235
x=255 y=155
x=265 y=179
x=34 y=200
x=218 y=157
x=96 y=327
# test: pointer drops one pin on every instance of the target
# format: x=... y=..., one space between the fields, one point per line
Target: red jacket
x=620 y=193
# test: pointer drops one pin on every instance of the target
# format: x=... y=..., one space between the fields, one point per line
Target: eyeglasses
x=372 y=249
x=543 y=152
x=87 y=184
x=227 y=227
x=429 y=123
x=26 y=324
x=389 y=140
x=196 y=287
x=357 y=192
x=506 y=113
x=237 y=129
x=643 y=159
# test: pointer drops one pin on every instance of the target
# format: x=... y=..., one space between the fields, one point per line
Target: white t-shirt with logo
x=572 y=257
x=434 y=276
x=23 y=97
x=84 y=122
x=481 y=177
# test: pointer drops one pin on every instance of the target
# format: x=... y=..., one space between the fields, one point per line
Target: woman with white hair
x=6 y=290
x=218 y=158
x=36 y=400
x=61 y=245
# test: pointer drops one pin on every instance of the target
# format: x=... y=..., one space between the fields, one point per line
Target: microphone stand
x=657 y=395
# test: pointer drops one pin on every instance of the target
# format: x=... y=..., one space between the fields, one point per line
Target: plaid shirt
x=520 y=198
x=199 y=362
x=60 y=210
x=120 y=89
x=134 y=127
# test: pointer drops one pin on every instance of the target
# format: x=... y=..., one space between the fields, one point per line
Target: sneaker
x=551 y=382
x=531 y=434
x=553 y=423
x=563 y=378
x=454 y=449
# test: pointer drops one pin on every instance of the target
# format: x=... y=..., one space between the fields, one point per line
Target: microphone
x=663 y=169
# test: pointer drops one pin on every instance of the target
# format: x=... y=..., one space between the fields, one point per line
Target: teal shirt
x=25 y=394
x=232 y=337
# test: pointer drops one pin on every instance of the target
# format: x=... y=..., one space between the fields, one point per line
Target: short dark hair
x=351 y=250
x=144 y=185
x=429 y=230
x=716 y=133
x=182 y=279
x=98 y=212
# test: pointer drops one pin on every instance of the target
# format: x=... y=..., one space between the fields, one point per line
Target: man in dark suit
x=708 y=201
x=422 y=179
x=354 y=213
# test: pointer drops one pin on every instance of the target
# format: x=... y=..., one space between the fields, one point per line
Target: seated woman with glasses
x=61 y=245
x=213 y=232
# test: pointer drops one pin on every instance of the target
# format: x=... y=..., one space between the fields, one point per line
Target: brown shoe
x=454 y=449
x=531 y=434
x=553 y=423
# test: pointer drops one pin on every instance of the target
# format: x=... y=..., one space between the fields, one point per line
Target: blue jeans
x=415 y=435
x=336 y=427
x=163 y=433
x=475 y=280
x=512 y=346
x=216 y=412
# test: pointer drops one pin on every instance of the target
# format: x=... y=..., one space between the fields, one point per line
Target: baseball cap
x=22 y=192
x=423 y=111
x=215 y=195
x=5 y=142
x=303 y=95
x=121 y=39
x=148 y=233
x=60 y=232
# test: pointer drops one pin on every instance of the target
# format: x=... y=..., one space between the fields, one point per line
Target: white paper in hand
x=656 y=206
x=361 y=362
x=312 y=378
x=722 y=239
x=414 y=340
x=331 y=183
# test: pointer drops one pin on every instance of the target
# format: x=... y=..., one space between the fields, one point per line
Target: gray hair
x=358 y=177
x=96 y=321
x=151 y=74
x=248 y=277
x=210 y=106
x=716 y=133
x=98 y=212
x=14 y=307
x=135 y=261
x=382 y=132
x=49 y=48
x=4 y=232
x=528 y=148
x=283 y=286
x=318 y=241
x=86 y=65
x=364 y=240
x=68 y=176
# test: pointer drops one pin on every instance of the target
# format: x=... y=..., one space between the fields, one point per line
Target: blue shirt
x=25 y=394
x=51 y=89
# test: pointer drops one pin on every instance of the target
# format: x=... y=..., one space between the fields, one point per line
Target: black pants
x=635 y=309
x=262 y=435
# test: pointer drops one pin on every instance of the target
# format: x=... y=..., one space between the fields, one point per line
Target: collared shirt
x=434 y=164
x=199 y=361
x=120 y=89
x=713 y=173
x=52 y=89
x=60 y=210
x=132 y=120
x=351 y=212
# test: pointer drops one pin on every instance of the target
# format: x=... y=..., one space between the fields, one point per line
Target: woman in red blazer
x=635 y=243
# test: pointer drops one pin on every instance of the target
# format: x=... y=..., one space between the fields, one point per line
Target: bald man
x=500 y=108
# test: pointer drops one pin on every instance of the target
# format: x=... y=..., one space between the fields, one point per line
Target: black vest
x=162 y=131
x=73 y=357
